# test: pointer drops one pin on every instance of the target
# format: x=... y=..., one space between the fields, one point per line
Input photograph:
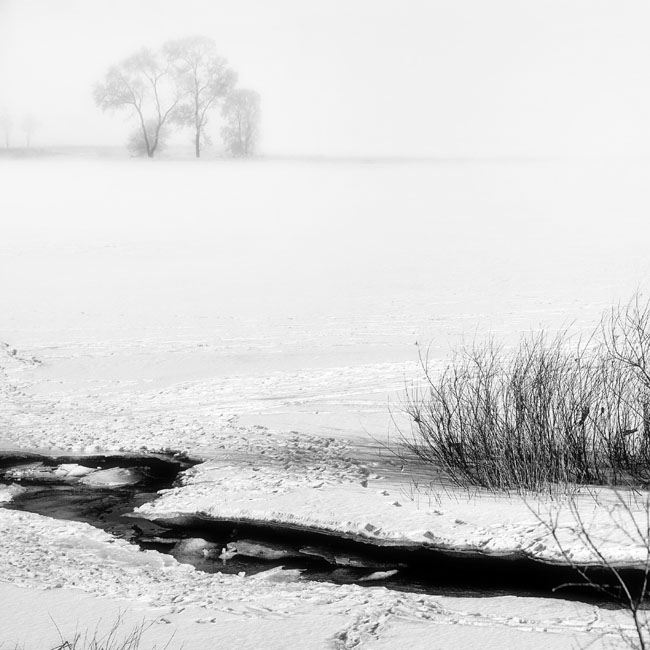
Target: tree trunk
x=154 y=145
x=197 y=142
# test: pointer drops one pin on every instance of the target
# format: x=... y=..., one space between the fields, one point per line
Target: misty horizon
x=375 y=79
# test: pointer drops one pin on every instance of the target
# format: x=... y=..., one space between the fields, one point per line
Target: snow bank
x=381 y=511
x=275 y=608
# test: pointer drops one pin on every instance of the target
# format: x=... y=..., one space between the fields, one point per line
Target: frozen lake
x=384 y=252
x=317 y=277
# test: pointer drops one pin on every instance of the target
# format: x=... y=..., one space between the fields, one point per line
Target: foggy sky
x=368 y=77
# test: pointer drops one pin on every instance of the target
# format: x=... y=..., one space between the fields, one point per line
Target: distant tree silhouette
x=241 y=112
x=143 y=84
x=29 y=124
x=203 y=78
x=180 y=84
x=6 y=124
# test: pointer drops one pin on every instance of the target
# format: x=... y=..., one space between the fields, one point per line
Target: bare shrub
x=626 y=339
x=553 y=411
x=116 y=638
x=139 y=139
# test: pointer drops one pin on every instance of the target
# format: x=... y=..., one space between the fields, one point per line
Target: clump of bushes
x=552 y=411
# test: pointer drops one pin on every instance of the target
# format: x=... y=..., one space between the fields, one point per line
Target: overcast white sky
x=385 y=77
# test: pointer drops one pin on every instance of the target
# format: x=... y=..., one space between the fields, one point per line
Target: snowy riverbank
x=267 y=340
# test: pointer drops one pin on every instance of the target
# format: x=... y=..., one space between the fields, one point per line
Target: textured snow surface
x=387 y=509
x=70 y=559
x=260 y=317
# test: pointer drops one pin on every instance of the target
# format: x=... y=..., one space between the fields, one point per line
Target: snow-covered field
x=261 y=316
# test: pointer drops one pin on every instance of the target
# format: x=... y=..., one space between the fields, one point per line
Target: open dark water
x=252 y=548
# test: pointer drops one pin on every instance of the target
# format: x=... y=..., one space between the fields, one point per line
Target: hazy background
x=368 y=77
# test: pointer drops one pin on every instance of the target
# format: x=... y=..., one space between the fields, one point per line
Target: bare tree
x=144 y=84
x=203 y=77
x=29 y=125
x=6 y=124
x=628 y=517
x=241 y=111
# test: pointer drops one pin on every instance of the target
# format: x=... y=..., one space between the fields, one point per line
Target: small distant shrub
x=551 y=411
x=116 y=638
x=137 y=145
